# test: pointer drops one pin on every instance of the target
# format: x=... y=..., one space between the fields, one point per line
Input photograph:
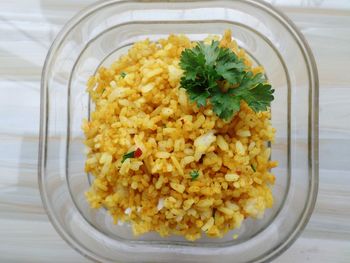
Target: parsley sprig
x=216 y=73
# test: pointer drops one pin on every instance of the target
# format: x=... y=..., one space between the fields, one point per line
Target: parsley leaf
x=230 y=67
x=123 y=74
x=256 y=93
x=216 y=74
x=194 y=174
x=253 y=168
x=128 y=155
x=225 y=105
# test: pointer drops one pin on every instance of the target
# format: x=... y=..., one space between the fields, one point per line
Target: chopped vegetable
x=133 y=154
x=138 y=153
x=216 y=73
x=253 y=168
x=194 y=174
x=123 y=74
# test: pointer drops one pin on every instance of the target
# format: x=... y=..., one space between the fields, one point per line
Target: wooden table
x=27 y=29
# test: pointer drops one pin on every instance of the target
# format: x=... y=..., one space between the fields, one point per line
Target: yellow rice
x=148 y=110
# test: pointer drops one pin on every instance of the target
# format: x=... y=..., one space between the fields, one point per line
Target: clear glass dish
x=97 y=36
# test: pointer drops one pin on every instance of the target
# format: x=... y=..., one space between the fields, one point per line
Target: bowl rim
x=313 y=118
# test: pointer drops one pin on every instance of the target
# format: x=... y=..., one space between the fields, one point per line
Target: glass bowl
x=97 y=36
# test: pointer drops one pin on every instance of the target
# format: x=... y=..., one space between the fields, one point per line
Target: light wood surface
x=27 y=28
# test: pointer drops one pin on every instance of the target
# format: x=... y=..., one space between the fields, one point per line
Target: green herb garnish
x=194 y=174
x=253 y=168
x=128 y=155
x=216 y=73
x=123 y=74
x=133 y=154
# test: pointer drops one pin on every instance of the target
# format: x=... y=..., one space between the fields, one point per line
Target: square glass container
x=99 y=35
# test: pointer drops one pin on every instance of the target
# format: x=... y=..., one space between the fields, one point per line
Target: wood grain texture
x=27 y=29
